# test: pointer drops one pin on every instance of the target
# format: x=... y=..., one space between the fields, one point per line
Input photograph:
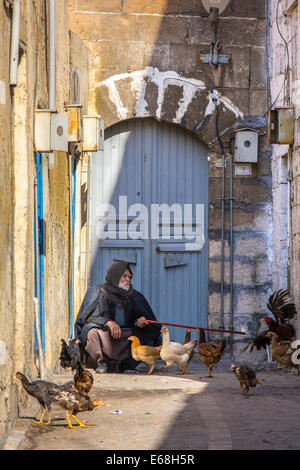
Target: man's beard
x=124 y=285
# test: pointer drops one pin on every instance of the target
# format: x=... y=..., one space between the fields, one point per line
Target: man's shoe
x=102 y=368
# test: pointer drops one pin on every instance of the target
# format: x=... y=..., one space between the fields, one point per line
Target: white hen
x=175 y=353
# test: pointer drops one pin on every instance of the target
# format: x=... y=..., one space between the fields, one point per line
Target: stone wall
x=145 y=61
x=17 y=173
x=284 y=66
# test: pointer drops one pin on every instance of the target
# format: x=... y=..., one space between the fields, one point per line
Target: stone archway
x=166 y=96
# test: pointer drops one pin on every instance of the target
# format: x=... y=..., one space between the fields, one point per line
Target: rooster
x=70 y=357
x=44 y=392
x=210 y=353
x=283 y=309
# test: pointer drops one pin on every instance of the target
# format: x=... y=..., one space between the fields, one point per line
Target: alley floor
x=166 y=411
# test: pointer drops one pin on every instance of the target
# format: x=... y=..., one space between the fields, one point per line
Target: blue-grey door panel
x=151 y=163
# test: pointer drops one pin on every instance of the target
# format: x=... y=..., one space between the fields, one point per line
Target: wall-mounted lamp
x=214 y=8
x=219 y=4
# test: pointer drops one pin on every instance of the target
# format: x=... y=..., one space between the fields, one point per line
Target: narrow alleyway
x=166 y=411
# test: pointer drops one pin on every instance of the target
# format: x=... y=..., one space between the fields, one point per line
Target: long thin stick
x=195 y=327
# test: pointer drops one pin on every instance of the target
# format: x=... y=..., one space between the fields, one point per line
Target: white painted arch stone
x=127 y=95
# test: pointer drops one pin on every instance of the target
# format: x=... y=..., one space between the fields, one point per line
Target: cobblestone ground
x=166 y=411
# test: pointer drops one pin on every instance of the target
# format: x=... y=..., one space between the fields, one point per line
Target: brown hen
x=210 y=353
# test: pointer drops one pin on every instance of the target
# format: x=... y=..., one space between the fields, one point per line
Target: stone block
x=214 y=302
x=244 y=9
x=199 y=31
x=168 y=29
x=251 y=247
x=242 y=32
x=172 y=96
x=96 y=6
x=250 y=303
x=253 y=190
x=214 y=249
x=130 y=56
x=156 y=55
x=236 y=73
x=105 y=54
x=160 y=7
x=258 y=102
x=256 y=215
x=183 y=59
x=99 y=27
x=258 y=73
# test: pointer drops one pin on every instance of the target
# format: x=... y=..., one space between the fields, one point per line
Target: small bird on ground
x=147 y=354
x=175 y=353
x=70 y=356
x=210 y=353
x=186 y=340
x=246 y=376
x=75 y=402
x=43 y=391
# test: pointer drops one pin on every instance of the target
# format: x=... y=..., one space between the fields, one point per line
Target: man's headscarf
x=111 y=290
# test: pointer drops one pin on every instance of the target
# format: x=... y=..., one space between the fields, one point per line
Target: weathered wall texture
x=7 y=297
x=17 y=173
x=284 y=66
x=145 y=61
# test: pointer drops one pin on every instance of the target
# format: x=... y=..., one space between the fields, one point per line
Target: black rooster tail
x=282 y=306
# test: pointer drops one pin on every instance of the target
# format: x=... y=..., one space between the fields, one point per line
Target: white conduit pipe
x=14 y=46
x=52 y=54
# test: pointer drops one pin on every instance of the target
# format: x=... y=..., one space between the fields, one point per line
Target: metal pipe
x=222 y=243
x=14 y=45
x=289 y=219
x=71 y=189
x=87 y=225
x=52 y=54
x=37 y=293
x=231 y=198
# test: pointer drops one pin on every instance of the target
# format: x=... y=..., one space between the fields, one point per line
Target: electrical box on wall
x=246 y=146
x=51 y=131
x=75 y=123
x=93 y=134
x=281 y=126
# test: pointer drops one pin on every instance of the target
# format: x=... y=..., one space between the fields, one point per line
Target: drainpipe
x=87 y=224
x=231 y=198
x=289 y=219
x=37 y=275
x=52 y=54
x=222 y=245
x=72 y=185
x=14 y=45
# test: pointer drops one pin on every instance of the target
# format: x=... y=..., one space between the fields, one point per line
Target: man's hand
x=141 y=322
x=115 y=329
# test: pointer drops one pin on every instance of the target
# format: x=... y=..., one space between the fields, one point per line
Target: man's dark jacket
x=95 y=311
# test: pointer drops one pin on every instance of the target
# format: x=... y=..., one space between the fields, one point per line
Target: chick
x=246 y=376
